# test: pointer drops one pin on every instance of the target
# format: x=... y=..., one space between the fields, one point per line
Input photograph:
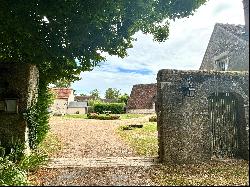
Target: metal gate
x=223 y=123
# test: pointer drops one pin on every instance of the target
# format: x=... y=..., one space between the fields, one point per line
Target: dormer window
x=221 y=62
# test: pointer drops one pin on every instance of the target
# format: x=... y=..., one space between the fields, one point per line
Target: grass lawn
x=82 y=116
x=143 y=140
x=122 y=116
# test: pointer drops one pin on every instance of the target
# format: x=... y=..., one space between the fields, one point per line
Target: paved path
x=102 y=162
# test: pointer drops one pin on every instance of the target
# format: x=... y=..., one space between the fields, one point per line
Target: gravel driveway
x=89 y=139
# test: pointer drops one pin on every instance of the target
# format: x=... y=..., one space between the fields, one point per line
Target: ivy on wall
x=37 y=116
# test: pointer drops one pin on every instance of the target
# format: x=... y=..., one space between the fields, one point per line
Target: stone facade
x=142 y=99
x=19 y=82
x=184 y=123
x=227 y=50
x=75 y=107
x=63 y=97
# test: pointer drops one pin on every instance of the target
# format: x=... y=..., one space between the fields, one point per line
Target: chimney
x=246 y=15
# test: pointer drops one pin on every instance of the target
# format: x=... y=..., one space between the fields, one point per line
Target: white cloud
x=183 y=50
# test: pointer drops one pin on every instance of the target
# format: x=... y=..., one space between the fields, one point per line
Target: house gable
x=230 y=40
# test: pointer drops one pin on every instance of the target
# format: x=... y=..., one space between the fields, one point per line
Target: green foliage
x=62 y=83
x=33 y=161
x=95 y=93
x=123 y=98
x=115 y=108
x=11 y=174
x=102 y=117
x=92 y=102
x=153 y=119
x=74 y=33
x=112 y=93
x=15 y=165
x=37 y=116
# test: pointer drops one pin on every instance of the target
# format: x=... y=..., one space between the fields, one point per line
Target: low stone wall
x=184 y=129
x=140 y=111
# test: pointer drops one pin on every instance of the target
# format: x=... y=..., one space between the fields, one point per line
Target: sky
x=184 y=50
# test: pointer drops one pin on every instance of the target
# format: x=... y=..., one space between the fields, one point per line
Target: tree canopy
x=65 y=37
x=62 y=83
x=95 y=93
x=112 y=93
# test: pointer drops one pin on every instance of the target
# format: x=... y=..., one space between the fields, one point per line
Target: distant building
x=75 y=107
x=84 y=98
x=63 y=97
x=142 y=99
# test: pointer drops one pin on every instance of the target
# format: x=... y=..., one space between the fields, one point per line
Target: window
x=221 y=62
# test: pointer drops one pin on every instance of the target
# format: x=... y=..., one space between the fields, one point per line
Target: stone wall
x=142 y=97
x=140 y=111
x=59 y=106
x=18 y=81
x=184 y=130
x=235 y=48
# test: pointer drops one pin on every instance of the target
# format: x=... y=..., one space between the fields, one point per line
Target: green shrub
x=92 y=102
x=33 y=161
x=115 y=108
x=90 y=109
x=153 y=119
x=14 y=168
x=11 y=174
x=102 y=117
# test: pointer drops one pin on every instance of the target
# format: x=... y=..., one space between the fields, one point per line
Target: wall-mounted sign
x=11 y=105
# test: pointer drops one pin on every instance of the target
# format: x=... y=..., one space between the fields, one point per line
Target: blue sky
x=183 y=50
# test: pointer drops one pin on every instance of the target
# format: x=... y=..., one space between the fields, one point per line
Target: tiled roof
x=75 y=104
x=62 y=93
x=236 y=30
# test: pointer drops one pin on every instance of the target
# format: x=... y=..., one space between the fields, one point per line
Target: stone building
x=75 y=107
x=228 y=47
x=227 y=50
x=142 y=99
x=18 y=92
x=63 y=97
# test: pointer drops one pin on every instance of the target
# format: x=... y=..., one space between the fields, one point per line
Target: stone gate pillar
x=184 y=130
x=18 y=92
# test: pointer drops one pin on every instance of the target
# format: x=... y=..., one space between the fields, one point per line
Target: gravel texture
x=89 y=138
x=85 y=140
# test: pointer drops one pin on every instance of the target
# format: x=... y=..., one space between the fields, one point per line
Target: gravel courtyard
x=94 y=139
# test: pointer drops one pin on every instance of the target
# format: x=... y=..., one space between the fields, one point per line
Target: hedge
x=115 y=108
x=102 y=117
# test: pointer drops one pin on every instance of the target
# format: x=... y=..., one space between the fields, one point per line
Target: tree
x=95 y=93
x=64 y=38
x=83 y=94
x=123 y=98
x=62 y=83
x=112 y=93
